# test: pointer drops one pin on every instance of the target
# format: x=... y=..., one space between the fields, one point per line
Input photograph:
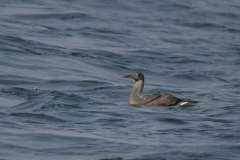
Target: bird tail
x=187 y=101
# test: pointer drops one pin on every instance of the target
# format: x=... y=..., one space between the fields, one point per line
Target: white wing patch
x=183 y=103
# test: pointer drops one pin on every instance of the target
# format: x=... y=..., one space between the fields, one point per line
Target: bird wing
x=151 y=98
x=161 y=100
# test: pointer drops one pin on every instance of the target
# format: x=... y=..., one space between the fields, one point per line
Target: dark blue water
x=62 y=95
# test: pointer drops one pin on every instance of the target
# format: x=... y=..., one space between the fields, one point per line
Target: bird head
x=136 y=76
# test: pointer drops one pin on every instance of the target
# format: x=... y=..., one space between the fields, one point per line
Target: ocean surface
x=62 y=95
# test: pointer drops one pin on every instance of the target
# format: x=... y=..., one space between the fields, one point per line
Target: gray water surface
x=62 y=95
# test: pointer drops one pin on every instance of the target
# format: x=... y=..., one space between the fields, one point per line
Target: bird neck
x=135 y=97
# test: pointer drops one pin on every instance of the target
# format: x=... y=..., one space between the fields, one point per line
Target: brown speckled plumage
x=164 y=99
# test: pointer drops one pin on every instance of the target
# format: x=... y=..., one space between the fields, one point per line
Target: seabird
x=164 y=99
